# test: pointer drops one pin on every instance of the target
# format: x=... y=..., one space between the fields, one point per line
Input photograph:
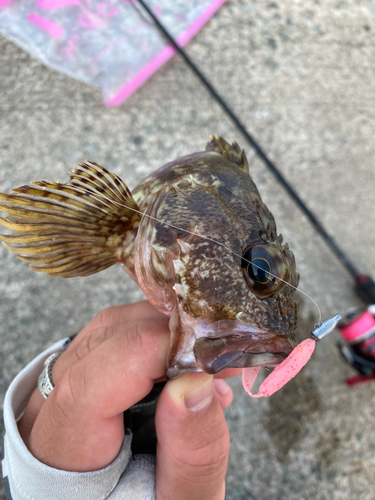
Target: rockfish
x=195 y=235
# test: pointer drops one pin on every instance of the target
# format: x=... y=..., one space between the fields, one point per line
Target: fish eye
x=264 y=269
x=259 y=270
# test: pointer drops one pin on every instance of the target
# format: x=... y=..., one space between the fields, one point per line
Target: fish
x=195 y=235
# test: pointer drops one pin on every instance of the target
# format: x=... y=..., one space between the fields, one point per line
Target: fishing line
x=364 y=284
x=222 y=245
x=78 y=183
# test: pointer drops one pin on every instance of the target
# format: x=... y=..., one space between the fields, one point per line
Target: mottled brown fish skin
x=185 y=235
x=209 y=194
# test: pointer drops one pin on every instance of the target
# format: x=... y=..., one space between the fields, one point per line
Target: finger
x=228 y=373
x=193 y=440
x=117 y=315
x=134 y=353
x=223 y=392
x=86 y=342
x=80 y=426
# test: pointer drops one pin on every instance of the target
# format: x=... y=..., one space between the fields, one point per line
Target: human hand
x=112 y=364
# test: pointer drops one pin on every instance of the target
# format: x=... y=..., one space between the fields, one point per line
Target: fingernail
x=221 y=386
x=201 y=396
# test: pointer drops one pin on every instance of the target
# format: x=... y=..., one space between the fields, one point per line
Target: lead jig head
x=323 y=328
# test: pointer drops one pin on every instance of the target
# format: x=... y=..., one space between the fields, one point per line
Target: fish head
x=195 y=235
x=242 y=310
x=210 y=257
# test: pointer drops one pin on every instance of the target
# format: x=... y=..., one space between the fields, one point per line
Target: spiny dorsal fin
x=74 y=229
x=232 y=152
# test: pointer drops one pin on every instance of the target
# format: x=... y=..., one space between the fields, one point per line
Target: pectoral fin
x=74 y=229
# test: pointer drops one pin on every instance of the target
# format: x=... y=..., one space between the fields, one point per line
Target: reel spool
x=357 y=329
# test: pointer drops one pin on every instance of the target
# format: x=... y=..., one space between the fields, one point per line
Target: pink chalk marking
x=4 y=3
x=282 y=374
x=55 y=4
x=145 y=73
x=53 y=29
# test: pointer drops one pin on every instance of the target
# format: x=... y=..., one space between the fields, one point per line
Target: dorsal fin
x=74 y=229
x=231 y=151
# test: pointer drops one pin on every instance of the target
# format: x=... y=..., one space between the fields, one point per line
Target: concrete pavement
x=301 y=77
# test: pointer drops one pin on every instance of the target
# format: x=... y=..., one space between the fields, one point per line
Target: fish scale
x=183 y=235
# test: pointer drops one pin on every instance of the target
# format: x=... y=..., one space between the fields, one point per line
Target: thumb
x=193 y=440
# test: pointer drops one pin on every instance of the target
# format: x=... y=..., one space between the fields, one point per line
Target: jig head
x=323 y=328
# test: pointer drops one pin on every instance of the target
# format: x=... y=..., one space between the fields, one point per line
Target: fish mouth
x=214 y=354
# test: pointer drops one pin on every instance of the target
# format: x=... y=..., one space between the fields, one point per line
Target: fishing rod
x=364 y=284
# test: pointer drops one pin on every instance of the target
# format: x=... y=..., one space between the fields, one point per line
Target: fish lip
x=215 y=354
x=240 y=329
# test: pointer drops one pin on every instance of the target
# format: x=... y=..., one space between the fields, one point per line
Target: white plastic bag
x=109 y=44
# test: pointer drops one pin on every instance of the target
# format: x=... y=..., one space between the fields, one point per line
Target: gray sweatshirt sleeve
x=127 y=477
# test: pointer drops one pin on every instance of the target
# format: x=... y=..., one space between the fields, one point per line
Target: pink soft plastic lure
x=282 y=373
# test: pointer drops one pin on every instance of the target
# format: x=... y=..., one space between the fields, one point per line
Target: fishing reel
x=357 y=329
